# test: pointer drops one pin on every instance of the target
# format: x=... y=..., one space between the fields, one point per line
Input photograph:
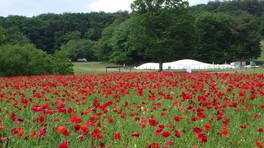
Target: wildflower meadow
x=133 y=110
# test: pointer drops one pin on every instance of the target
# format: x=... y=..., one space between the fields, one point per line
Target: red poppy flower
x=64 y=144
x=166 y=134
x=42 y=132
x=258 y=144
x=169 y=142
x=75 y=119
x=2 y=127
x=142 y=125
x=96 y=134
x=3 y=139
x=153 y=145
x=256 y=115
x=197 y=130
x=69 y=110
x=201 y=115
x=40 y=119
x=207 y=127
x=224 y=132
x=13 y=116
x=110 y=120
x=243 y=126
x=76 y=128
x=193 y=119
x=117 y=136
x=260 y=130
x=225 y=122
x=177 y=134
x=84 y=127
x=63 y=130
x=90 y=123
x=177 y=118
x=136 y=134
x=20 y=131
x=161 y=126
x=102 y=145
x=153 y=122
x=202 y=138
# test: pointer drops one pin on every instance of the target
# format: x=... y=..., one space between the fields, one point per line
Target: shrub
x=26 y=59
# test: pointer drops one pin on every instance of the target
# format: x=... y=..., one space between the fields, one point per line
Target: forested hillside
x=154 y=31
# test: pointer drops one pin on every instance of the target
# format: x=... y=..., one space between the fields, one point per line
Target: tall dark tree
x=80 y=48
x=114 y=46
x=245 y=41
x=161 y=28
x=213 y=36
x=261 y=25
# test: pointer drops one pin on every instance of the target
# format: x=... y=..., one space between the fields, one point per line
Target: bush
x=62 y=63
x=26 y=59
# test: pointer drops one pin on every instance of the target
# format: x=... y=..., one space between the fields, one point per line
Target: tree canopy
x=160 y=29
x=154 y=31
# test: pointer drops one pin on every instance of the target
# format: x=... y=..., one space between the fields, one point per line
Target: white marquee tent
x=184 y=64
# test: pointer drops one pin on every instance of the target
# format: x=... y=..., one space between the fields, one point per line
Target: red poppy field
x=134 y=110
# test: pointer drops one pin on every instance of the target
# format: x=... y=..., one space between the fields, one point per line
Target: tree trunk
x=160 y=65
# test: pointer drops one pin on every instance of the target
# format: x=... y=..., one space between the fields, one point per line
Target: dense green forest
x=159 y=31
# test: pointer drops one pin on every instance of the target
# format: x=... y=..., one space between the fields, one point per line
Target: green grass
x=95 y=67
x=99 y=67
x=89 y=67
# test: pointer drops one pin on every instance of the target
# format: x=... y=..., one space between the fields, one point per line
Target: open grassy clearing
x=95 y=67
x=99 y=67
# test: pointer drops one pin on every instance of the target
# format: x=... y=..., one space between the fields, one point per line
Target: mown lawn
x=99 y=67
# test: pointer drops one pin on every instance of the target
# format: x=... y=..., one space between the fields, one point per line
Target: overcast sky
x=31 y=8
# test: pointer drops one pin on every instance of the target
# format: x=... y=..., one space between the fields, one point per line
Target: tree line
x=157 y=31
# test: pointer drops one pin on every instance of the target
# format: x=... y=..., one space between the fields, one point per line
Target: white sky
x=35 y=7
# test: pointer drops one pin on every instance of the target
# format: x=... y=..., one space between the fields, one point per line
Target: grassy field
x=100 y=67
x=95 y=67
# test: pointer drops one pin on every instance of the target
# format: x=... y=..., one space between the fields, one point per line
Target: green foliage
x=119 y=43
x=161 y=29
x=254 y=7
x=27 y=60
x=261 y=25
x=62 y=38
x=114 y=46
x=49 y=31
x=245 y=41
x=22 y=60
x=2 y=35
x=214 y=37
x=12 y=35
x=227 y=37
x=61 y=62
x=80 y=48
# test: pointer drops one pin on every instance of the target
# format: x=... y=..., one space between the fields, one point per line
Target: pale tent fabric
x=148 y=66
x=184 y=64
